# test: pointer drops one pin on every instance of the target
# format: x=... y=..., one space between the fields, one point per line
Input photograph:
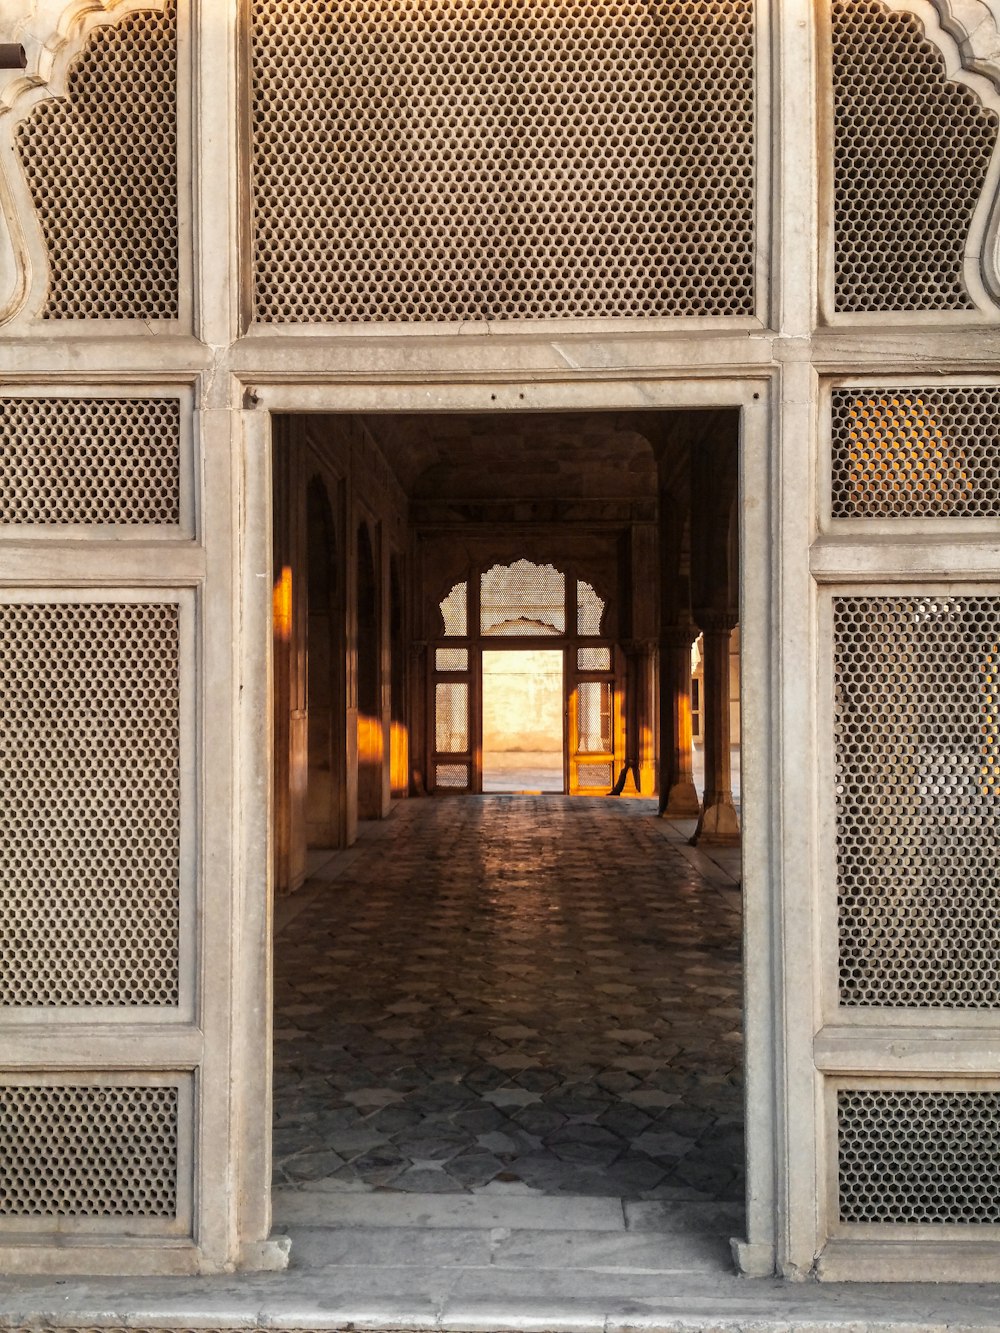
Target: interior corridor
x=527 y=995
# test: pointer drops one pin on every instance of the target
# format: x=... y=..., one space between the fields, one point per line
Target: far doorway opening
x=523 y=721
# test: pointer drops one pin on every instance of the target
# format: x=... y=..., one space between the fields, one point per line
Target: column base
x=718 y=823
x=681 y=802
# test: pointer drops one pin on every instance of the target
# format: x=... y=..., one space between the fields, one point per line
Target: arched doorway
x=324 y=667
x=370 y=734
x=521 y=606
x=398 y=734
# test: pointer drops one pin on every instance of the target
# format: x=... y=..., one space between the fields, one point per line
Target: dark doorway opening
x=536 y=997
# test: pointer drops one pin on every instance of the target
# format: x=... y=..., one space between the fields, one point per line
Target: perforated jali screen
x=917 y=750
x=911 y=151
x=451 y=717
x=90 y=789
x=426 y=160
x=523 y=598
x=589 y=609
x=88 y=1151
x=916 y=453
x=101 y=165
x=90 y=460
x=908 y=1156
x=455 y=612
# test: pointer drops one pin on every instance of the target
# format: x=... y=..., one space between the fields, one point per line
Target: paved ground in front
x=534 y=995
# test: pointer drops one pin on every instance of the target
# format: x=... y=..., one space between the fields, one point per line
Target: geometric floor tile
x=511 y=994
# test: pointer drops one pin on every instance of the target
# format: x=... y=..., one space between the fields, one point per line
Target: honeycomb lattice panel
x=451 y=777
x=451 y=659
x=916 y=453
x=101 y=165
x=589 y=609
x=917 y=751
x=592 y=776
x=89 y=1151
x=90 y=460
x=593 y=659
x=911 y=151
x=913 y=1156
x=90 y=782
x=523 y=598
x=451 y=718
x=455 y=612
x=462 y=160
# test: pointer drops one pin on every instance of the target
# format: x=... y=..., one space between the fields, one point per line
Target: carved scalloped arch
x=967 y=33
x=53 y=37
x=974 y=27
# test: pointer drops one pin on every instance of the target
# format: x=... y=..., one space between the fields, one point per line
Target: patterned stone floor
x=520 y=994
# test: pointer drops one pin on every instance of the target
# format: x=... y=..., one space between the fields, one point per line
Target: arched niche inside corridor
x=324 y=792
x=518 y=606
x=399 y=735
x=371 y=742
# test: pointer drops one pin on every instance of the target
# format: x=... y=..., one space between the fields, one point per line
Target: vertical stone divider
x=793 y=814
x=234 y=1163
x=245 y=1001
x=763 y=1018
x=217 y=1153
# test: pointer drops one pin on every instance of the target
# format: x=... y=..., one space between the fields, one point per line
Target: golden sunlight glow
x=281 y=606
x=900 y=456
x=371 y=747
x=399 y=756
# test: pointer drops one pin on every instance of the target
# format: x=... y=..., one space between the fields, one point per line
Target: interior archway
x=370 y=734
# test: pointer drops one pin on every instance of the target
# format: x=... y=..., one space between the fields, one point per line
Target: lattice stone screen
x=101 y=165
x=455 y=612
x=589 y=609
x=451 y=717
x=90 y=787
x=453 y=777
x=523 y=598
x=917 y=752
x=457 y=160
x=924 y=452
x=917 y=1156
x=911 y=151
x=88 y=1150
x=90 y=461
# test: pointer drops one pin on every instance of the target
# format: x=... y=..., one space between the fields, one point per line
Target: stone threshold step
x=480 y=1212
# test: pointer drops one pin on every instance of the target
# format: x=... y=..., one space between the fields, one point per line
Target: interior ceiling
x=576 y=455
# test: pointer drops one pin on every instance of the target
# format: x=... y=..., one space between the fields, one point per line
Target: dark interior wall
x=331 y=484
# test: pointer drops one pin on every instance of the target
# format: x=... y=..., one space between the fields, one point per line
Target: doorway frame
x=502 y=646
x=768 y=1089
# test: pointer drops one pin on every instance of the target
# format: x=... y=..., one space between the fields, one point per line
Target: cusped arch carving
x=56 y=37
x=966 y=33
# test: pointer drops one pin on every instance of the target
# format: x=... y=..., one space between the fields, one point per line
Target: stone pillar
x=718 y=822
x=678 y=797
x=419 y=748
x=637 y=776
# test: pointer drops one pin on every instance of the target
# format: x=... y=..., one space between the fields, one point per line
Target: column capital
x=712 y=621
x=678 y=636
